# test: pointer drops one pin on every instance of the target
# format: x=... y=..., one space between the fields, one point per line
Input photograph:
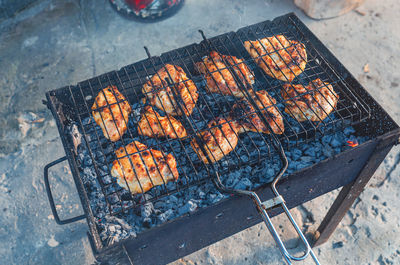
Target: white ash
x=76 y=137
x=115 y=229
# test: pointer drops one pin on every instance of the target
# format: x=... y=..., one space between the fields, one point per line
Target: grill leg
x=348 y=194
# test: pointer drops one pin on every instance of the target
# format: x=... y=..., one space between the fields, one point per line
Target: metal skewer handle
x=279 y=201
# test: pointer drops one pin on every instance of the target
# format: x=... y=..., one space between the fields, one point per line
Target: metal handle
x=50 y=196
x=278 y=201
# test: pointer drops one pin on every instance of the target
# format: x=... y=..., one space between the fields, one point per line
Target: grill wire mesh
x=252 y=148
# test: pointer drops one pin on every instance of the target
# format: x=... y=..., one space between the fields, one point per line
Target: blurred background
x=47 y=44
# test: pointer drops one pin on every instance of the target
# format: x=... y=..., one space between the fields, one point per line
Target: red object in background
x=147 y=10
x=138 y=5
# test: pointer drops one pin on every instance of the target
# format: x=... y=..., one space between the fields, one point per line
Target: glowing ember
x=352 y=143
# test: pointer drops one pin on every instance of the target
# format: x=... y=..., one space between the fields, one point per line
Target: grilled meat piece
x=220 y=79
x=161 y=94
x=278 y=56
x=250 y=120
x=154 y=125
x=110 y=111
x=141 y=168
x=220 y=139
x=313 y=102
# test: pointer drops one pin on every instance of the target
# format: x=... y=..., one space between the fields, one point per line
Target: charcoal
x=160 y=205
x=165 y=216
x=147 y=222
x=310 y=151
x=147 y=209
x=211 y=196
x=349 y=130
x=270 y=172
x=86 y=121
x=173 y=199
x=233 y=178
x=88 y=162
x=100 y=157
x=335 y=142
x=152 y=213
x=306 y=159
x=106 y=179
x=326 y=139
x=190 y=206
x=327 y=151
x=296 y=154
x=292 y=166
x=243 y=184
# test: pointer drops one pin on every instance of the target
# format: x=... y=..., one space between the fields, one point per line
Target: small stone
x=30 y=41
x=337 y=245
x=366 y=68
x=361 y=13
x=52 y=242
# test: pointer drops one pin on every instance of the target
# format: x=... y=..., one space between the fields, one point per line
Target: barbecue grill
x=352 y=168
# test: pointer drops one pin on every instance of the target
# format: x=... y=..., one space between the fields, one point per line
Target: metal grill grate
x=252 y=148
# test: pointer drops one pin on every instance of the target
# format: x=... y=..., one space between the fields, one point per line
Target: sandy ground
x=57 y=43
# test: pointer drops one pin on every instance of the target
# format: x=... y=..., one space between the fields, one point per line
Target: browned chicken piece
x=278 y=56
x=249 y=119
x=154 y=125
x=220 y=79
x=313 y=102
x=110 y=111
x=160 y=92
x=139 y=168
x=219 y=140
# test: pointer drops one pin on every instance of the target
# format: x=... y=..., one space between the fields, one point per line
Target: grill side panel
x=61 y=120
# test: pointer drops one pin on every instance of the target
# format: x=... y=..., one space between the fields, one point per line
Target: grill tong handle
x=274 y=202
x=50 y=195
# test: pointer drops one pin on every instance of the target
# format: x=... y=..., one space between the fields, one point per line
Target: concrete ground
x=61 y=42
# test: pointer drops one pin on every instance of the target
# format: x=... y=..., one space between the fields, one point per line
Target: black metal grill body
x=189 y=233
